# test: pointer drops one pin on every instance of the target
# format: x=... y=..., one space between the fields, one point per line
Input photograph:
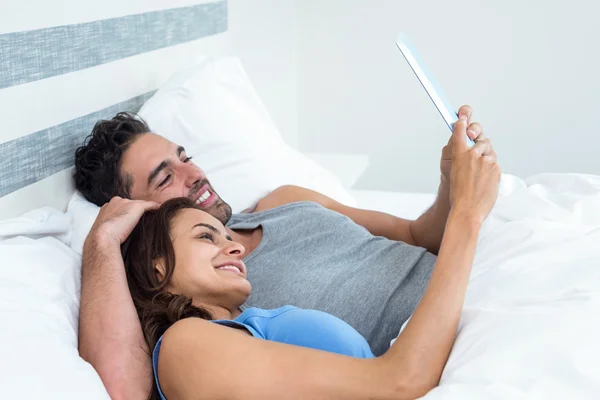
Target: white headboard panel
x=58 y=78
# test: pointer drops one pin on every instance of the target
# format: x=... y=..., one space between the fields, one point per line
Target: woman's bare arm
x=426 y=341
x=201 y=360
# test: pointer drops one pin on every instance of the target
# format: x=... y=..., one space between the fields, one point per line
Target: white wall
x=333 y=80
x=529 y=69
x=263 y=35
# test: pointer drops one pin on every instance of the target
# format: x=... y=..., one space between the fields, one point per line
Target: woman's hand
x=474 y=132
x=474 y=176
x=424 y=345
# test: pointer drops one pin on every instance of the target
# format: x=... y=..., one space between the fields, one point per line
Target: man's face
x=159 y=170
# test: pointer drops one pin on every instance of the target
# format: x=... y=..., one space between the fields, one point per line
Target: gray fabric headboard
x=36 y=61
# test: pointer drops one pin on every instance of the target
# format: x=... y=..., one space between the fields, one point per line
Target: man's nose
x=192 y=176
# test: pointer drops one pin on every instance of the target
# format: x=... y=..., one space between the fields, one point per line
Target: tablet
x=433 y=90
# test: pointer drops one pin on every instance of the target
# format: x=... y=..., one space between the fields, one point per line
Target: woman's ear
x=159 y=269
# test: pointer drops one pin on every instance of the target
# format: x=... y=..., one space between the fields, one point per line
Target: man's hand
x=110 y=333
x=118 y=217
x=475 y=132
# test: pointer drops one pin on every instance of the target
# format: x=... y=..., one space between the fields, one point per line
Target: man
x=302 y=248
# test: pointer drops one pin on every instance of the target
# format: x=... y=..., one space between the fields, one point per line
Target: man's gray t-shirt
x=312 y=257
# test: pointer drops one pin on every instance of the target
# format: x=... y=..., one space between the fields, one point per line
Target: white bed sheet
x=530 y=327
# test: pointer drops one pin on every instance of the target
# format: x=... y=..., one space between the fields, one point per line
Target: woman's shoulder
x=186 y=329
x=189 y=331
x=194 y=339
x=196 y=350
x=173 y=348
x=181 y=337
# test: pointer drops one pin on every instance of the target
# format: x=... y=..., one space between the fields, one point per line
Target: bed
x=530 y=324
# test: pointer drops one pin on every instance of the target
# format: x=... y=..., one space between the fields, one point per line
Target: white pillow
x=39 y=307
x=83 y=214
x=212 y=109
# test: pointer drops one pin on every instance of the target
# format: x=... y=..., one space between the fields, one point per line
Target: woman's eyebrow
x=209 y=226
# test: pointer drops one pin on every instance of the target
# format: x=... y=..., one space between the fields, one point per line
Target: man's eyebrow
x=162 y=166
x=156 y=171
x=209 y=226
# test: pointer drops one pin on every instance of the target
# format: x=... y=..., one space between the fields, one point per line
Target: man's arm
x=110 y=334
x=426 y=231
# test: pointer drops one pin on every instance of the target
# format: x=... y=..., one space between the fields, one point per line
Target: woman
x=188 y=282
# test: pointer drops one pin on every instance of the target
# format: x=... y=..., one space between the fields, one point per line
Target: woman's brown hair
x=149 y=242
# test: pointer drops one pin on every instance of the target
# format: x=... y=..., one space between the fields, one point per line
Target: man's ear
x=160 y=269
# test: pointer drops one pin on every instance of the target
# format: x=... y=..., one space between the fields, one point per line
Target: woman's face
x=208 y=264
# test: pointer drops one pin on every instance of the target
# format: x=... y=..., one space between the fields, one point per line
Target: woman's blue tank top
x=292 y=325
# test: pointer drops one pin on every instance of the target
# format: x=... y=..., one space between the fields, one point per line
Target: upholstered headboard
x=57 y=81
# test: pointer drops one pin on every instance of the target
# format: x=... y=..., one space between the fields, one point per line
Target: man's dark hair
x=98 y=162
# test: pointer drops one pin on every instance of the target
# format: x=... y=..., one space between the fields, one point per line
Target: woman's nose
x=234 y=249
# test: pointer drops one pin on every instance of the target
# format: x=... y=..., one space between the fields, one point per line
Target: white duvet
x=530 y=328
